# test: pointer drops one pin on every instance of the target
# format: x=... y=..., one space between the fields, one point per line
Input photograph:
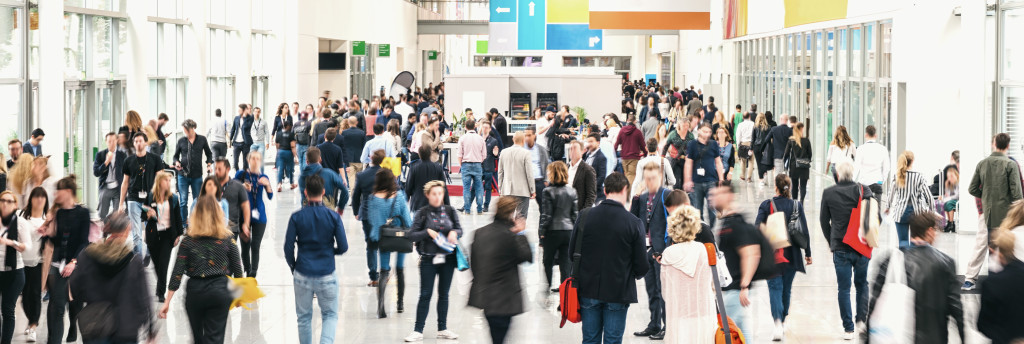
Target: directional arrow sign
x=594 y=40
x=532 y=6
x=503 y=10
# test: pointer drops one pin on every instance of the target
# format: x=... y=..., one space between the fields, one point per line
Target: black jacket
x=793 y=152
x=496 y=254
x=177 y=228
x=364 y=187
x=585 y=184
x=600 y=167
x=279 y=124
x=424 y=244
x=320 y=129
x=190 y=155
x=793 y=254
x=657 y=223
x=501 y=127
x=242 y=128
x=837 y=202
x=490 y=162
x=760 y=138
x=932 y=276
x=331 y=156
x=100 y=170
x=558 y=210
x=110 y=272
x=1001 y=314
x=420 y=173
x=613 y=255
x=778 y=137
x=354 y=139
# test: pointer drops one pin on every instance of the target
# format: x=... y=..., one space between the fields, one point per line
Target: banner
x=650 y=14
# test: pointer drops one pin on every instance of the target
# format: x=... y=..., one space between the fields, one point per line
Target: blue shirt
x=703 y=156
x=259 y=213
x=377 y=211
x=535 y=160
x=320 y=235
x=378 y=142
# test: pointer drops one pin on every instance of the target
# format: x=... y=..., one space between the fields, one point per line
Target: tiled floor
x=813 y=317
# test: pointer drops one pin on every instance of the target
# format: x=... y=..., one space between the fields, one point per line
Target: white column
x=972 y=99
x=51 y=82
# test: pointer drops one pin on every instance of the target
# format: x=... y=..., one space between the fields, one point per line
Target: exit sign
x=432 y=55
x=359 y=48
x=383 y=50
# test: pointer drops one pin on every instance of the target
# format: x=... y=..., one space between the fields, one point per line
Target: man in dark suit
x=610 y=254
x=500 y=128
x=240 y=138
x=331 y=155
x=581 y=176
x=107 y=166
x=778 y=137
x=649 y=206
x=362 y=189
x=354 y=139
x=596 y=159
x=420 y=172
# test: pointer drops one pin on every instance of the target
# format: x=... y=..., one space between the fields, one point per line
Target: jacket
x=175 y=230
x=496 y=254
x=515 y=172
x=760 y=137
x=241 y=127
x=490 y=163
x=837 y=202
x=332 y=183
x=600 y=167
x=377 y=211
x=109 y=272
x=613 y=255
x=932 y=276
x=631 y=140
x=354 y=139
x=363 y=187
x=99 y=169
x=793 y=254
x=434 y=142
x=190 y=155
x=36 y=150
x=280 y=124
x=501 y=127
x=332 y=156
x=320 y=129
x=793 y=152
x=1000 y=176
x=320 y=235
x=650 y=127
x=424 y=244
x=421 y=172
x=585 y=184
x=655 y=224
x=558 y=210
x=1000 y=317
x=778 y=137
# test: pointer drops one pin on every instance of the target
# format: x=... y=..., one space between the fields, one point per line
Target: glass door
x=76 y=110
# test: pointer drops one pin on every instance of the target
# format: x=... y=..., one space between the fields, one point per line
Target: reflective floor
x=814 y=316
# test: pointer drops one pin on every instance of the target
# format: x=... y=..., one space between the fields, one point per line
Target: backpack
x=301 y=131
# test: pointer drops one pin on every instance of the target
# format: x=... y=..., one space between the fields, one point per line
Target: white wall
x=598 y=94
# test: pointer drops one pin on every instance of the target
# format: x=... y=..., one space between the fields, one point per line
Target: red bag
x=852 y=236
x=569 y=301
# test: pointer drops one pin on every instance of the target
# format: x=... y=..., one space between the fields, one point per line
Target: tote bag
x=775 y=229
x=853 y=237
x=892 y=321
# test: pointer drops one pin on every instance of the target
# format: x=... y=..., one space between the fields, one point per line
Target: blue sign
x=531 y=24
x=503 y=11
x=571 y=37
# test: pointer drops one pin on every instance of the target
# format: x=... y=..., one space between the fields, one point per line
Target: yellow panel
x=799 y=12
x=569 y=11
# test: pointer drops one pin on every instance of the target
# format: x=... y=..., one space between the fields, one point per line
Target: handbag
x=892 y=320
x=795 y=228
x=744 y=151
x=97 y=321
x=394 y=238
x=869 y=222
x=852 y=237
x=461 y=258
x=568 y=293
x=774 y=229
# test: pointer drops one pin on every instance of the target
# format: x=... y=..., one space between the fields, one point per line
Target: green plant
x=581 y=114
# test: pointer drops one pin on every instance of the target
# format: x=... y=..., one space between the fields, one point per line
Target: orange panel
x=650 y=20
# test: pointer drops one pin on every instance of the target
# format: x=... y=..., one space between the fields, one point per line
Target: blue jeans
x=488 y=186
x=735 y=310
x=472 y=185
x=326 y=290
x=285 y=166
x=699 y=196
x=602 y=318
x=135 y=215
x=903 y=226
x=301 y=151
x=184 y=184
x=385 y=260
x=850 y=264
x=444 y=273
x=779 y=290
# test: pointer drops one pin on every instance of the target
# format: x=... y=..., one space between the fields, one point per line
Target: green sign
x=432 y=55
x=359 y=48
x=383 y=50
x=481 y=47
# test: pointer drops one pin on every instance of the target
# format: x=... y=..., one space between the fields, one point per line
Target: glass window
x=166 y=8
x=871 y=53
x=1013 y=49
x=830 y=53
x=843 y=52
x=102 y=58
x=218 y=12
x=218 y=52
x=10 y=113
x=106 y=5
x=12 y=43
x=1013 y=108
x=856 y=51
x=74 y=45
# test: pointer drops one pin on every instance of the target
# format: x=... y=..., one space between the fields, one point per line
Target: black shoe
x=658 y=336
x=646 y=333
x=73 y=336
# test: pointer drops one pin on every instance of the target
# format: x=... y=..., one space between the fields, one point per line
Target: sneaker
x=848 y=336
x=414 y=337
x=30 y=335
x=968 y=285
x=446 y=334
x=778 y=332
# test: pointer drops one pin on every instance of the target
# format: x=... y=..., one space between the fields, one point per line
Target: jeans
x=11 y=283
x=385 y=260
x=735 y=310
x=488 y=178
x=57 y=285
x=523 y=209
x=850 y=264
x=700 y=194
x=160 y=245
x=371 y=251
x=472 y=186
x=539 y=187
x=499 y=327
x=780 y=167
x=135 y=215
x=285 y=166
x=655 y=302
x=251 y=249
x=779 y=290
x=444 y=273
x=108 y=197
x=602 y=319
x=207 y=303
x=31 y=293
x=903 y=226
x=184 y=184
x=258 y=147
x=325 y=288
x=301 y=151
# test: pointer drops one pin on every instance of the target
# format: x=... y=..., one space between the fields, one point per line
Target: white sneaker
x=30 y=335
x=778 y=333
x=414 y=337
x=447 y=334
x=847 y=335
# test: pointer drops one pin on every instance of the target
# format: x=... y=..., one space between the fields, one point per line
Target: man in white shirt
x=872 y=163
x=745 y=154
x=669 y=177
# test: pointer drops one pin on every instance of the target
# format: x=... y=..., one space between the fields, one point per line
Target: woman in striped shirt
x=908 y=195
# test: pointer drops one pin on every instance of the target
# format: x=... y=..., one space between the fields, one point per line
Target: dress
x=690 y=313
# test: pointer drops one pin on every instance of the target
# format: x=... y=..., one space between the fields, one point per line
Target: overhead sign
x=481 y=47
x=432 y=55
x=573 y=37
x=383 y=50
x=532 y=15
x=503 y=37
x=359 y=48
x=650 y=14
x=517 y=25
x=503 y=11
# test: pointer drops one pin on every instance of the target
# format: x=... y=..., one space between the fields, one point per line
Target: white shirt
x=745 y=131
x=837 y=155
x=669 y=178
x=31 y=257
x=163 y=216
x=23 y=237
x=572 y=171
x=872 y=163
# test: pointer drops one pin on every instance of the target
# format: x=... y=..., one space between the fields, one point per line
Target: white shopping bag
x=892 y=320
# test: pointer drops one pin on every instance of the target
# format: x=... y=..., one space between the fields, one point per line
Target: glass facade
x=826 y=78
x=1010 y=75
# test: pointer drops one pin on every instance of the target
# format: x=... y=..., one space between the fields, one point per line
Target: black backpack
x=301 y=131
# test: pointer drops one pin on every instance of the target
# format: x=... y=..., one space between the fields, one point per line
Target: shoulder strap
x=771 y=206
x=579 y=243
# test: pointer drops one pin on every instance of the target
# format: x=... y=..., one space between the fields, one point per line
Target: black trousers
x=31 y=293
x=556 y=242
x=160 y=246
x=243 y=149
x=206 y=303
x=58 y=287
x=799 y=177
x=654 y=300
x=539 y=184
x=251 y=249
x=11 y=283
x=220 y=150
x=499 y=327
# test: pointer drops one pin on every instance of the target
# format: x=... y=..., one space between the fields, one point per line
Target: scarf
x=11 y=255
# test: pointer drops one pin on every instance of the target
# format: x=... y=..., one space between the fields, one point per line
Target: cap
x=550 y=109
x=38 y=132
x=188 y=123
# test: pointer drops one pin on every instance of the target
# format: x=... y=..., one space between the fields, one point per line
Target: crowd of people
x=645 y=194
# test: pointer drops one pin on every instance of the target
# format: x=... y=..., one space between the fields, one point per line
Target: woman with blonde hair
x=908 y=195
x=557 y=216
x=841 y=149
x=31 y=172
x=721 y=122
x=798 y=158
x=951 y=197
x=163 y=227
x=686 y=282
x=132 y=124
x=152 y=142
x=760 y=139
x=207 y=254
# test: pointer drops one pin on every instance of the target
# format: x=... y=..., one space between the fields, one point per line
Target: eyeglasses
x=8 y=201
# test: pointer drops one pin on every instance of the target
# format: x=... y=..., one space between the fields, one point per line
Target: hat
x=38 y=132
x=550 y=109
x=188 y=123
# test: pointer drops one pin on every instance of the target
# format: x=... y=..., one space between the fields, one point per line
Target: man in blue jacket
x=362 y=189
x=240 y=138
x=320 y=235
x=332 y=182
x=778 y=137
x=107 y=166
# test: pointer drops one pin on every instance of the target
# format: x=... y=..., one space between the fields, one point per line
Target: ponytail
x=782 y=184
x=902 y=166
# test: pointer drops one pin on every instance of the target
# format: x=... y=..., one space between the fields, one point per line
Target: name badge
x=700 y=172
x=255 y=214
x=143 y=194
x=439 y=259
x=648 y=240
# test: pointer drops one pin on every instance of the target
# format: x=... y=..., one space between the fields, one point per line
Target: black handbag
x=394 y=238
x=97 y=321
x=795 y=229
